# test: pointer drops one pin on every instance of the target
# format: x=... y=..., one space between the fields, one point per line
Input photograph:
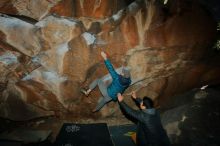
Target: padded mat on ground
x=9 y=143
x=122 y=135
x=84 y=135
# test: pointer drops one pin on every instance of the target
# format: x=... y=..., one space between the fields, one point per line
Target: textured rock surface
x=35 y=9
x=38 y=9
x=45 y=63
x=196 y=120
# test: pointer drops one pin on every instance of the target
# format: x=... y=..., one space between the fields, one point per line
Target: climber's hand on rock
x=133 y=95
x=120 y=97
x=104 y=55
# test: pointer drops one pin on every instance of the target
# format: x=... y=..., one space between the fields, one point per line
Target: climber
x=120 y=82
x=149 y=128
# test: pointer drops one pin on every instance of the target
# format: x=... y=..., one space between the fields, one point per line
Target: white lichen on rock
x=8 y=59
x=20 y=35
x=89 y=38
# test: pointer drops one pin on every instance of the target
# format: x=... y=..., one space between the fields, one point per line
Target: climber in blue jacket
x=120 y=82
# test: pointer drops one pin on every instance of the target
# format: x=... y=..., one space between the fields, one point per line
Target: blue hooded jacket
x=119 y=83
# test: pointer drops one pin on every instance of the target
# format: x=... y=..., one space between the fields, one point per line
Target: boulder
x=194 y=119
x=167 y=47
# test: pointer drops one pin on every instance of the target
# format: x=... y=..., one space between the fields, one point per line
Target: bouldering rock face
x=38 y=9
x=44 y=64
x=191 y=120
x=30 y=8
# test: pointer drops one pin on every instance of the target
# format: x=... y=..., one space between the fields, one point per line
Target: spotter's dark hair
x=148 y=102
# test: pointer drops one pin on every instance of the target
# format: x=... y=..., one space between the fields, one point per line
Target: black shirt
x=150 y=131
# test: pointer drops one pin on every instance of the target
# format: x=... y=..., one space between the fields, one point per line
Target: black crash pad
x=84 y=135
x=25 y=136
x=9 y=143
x=121 y=134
